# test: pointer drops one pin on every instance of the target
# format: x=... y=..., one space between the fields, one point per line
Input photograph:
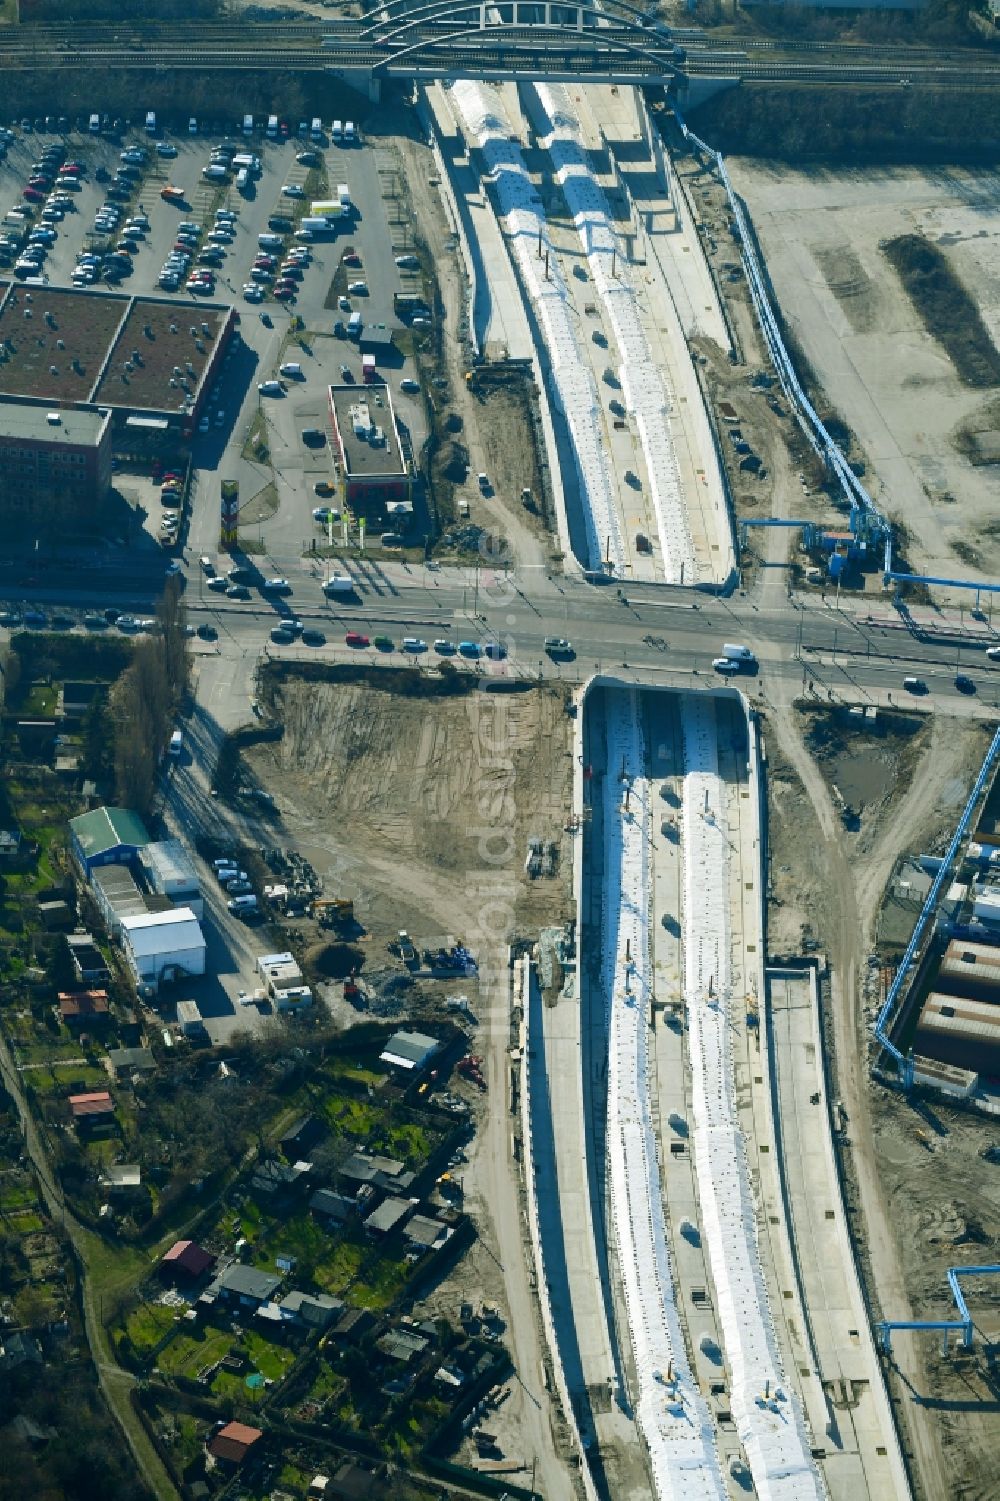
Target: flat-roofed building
x=963 y=1032
x=169 y=872
x=971 y=969
x=117 y=895
x=163 y=945
x=55 y=466
x=376 y=475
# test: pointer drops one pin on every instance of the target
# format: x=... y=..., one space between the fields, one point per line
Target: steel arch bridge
x=520 y=38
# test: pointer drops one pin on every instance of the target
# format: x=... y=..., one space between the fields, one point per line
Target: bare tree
x=172 y=615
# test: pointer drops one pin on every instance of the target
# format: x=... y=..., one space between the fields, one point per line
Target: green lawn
x=352 y=1117
x=409 y=1142
x=66 y=1077
x=147 y=1324
x=271 y=1360
x=17 y=1191
x=380 y=1285
x=340 y=1267
x=190 y=1353
x=26 y=1222
x=356 y=1073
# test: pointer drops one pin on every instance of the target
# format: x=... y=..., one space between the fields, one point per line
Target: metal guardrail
x=808 y=418
x=885 y=1017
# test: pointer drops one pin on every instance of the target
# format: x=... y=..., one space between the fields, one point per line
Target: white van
x=151 y=122
x=242 y=180
x=349 y=133
x=993 y=652
x=95 y=125
x=192 y=126
x=338 y=131
x=176 y=742
x=317 y=128
x=272 y=127
x=242 y=904
x=292 y=369
x=248 y=125
x=270 y=242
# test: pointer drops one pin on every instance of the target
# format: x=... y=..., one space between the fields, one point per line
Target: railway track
x=315 y=46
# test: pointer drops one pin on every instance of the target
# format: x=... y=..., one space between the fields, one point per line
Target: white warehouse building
x=163 y=946
x=169 y=872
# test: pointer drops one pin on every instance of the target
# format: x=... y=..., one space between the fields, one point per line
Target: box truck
x=338 y=131
x=368 y=369
x=317 y=128
x=339 y=583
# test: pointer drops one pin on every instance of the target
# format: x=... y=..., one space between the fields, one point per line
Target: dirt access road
x=829 y=886
x=420 y=809
x=494 y=430
x=116 y=1385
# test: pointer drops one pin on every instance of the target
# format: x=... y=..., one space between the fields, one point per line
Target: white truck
x=339 y=583
x=735 y=657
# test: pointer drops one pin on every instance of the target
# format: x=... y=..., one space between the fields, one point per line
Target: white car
x=252 y=293
x=276 y=586
x=358 y=288
x=725 y=665
x=164 y=148
x=293 y=190
x=409 y=384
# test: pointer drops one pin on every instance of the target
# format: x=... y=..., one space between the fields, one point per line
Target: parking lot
x=279 y=492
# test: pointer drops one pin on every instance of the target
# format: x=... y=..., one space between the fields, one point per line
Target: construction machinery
x=471 y=1068
x=332 y=909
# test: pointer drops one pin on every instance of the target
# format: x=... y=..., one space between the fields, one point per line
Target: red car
x=355 y=638
x=284 y=294
x=71 y=169
x=352 y=259
x=32 y=195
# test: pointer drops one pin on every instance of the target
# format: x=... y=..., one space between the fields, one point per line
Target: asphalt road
x=660 y=633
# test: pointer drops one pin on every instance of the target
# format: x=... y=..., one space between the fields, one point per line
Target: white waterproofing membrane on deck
x=644 y=385
x=671 y=1411
x=574 y=389
x=768 y=1416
